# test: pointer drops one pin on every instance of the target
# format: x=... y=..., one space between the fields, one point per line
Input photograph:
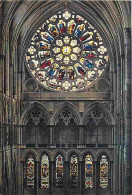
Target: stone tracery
x=66 y=53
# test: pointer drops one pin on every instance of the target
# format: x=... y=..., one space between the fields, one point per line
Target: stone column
x=81 y=175
x=51 y=134
x=52 y=172
x=66 y=177
x=21 y=182
x=37 y=177
x=81 y=135
x=127 y=113
x=95 y=166
x=111 y=178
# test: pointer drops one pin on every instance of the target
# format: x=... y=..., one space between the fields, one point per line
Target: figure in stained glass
x=44 y=171
x=45 y=64
x=65 y=39
x=61 y=74
x=59 y=171
x=53 y=30
x=62 y=27
x=83 y=38
x=49 y=38
x=74 y=171
x=30 y=170
x=71 y=26
x=88 y=171
x=89 y=55
x=104 y=172
x=88 y=64
x=42 y=46
x=71 y=74
x=80 y=30
x=81 y=71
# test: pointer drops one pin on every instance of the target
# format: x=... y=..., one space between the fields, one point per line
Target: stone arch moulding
x=105 y=31
x=69 y=106
x=88 y=109
x=59 y=152
x=32 y=106
x=105 y=152
x=27 y=152
x=43 y=152
x=89 y=151
x=71 y=152
x=44 y=15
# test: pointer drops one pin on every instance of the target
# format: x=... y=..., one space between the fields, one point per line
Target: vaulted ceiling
x=21 y=19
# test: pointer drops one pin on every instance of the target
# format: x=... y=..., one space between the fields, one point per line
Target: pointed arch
x=44 y=171
x=30 y=107
x=60 y=107
x=30 y=170
x=104 y=169
x=89 y=171
x=59 y=170
x=89 y=108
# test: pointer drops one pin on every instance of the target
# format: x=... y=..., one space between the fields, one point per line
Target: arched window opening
x=98 y=130
x=59 y=171
x=29 y=132
x=66 y=53
x=30 y=171
x=74 y=171
x=104 y=172
x=66 y=129
x=42 y=132
x=36 y=128
x=88 y=171
x=44 y=171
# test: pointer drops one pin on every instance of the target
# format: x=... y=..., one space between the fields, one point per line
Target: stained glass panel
x=59 y=171
x=74 y=171
x=71 y=42
x=104 y=166
x=88 y=171
x=45 y=171
x=30 y=170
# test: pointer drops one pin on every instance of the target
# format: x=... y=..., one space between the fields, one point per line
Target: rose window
x=66 y=53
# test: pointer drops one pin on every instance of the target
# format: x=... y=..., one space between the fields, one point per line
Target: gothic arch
x=43 y=153
x=89 y=151
x=101 y=107
x=67 y=105
x=78 y=7
x=27 y=152
x=73 y=151
x=105 y=152
x=32 y=106
x=59 y=152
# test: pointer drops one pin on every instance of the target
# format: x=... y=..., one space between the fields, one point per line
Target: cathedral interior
x=65 y=97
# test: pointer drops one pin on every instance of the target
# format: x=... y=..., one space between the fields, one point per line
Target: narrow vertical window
x=30 y=169
x=74 y=171
x=88 y=171
x=104 y=166
x=45 y=171
x=59 y=171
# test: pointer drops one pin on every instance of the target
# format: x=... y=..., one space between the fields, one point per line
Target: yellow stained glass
x=66 y=40
x=59 y=57
x=76 y=50
x=73 y=57
x=73 y=43
x=66 y=53
x=59 y=42
x=66 y=60
x=66 y=50
x=56 y=50
x=66 y=15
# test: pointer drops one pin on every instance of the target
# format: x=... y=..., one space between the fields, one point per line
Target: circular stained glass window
x=66 y=53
